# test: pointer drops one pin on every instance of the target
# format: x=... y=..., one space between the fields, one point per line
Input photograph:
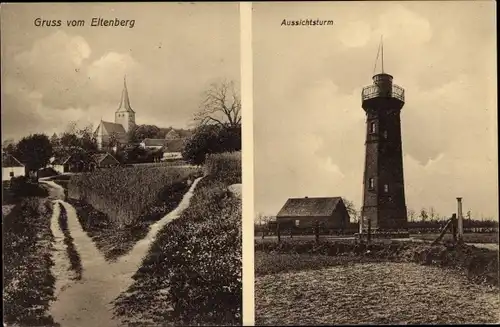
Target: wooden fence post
x=454 y=227
x=316 y=231
x=278 y=232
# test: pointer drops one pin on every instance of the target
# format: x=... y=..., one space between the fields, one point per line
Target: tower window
x=371 y=184
x=373 y=127
x=386 y=188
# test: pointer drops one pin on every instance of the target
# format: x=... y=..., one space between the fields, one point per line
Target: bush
x=28 y=282
x=123 y=194
x=211 y=139
x=224 y=166
x=197 y=258
x=21 y=186
x=47 y=172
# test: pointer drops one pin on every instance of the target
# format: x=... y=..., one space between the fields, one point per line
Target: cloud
x=309 y=124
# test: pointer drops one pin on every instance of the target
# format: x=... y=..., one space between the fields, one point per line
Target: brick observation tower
x=384 y=206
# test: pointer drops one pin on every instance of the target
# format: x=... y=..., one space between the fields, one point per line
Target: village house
x=328 y=212
x=104 y=160
x=11 y=167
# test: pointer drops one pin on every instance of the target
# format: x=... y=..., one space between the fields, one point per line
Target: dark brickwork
x=383 y=185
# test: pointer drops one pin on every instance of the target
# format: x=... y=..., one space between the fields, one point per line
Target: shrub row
x=224 y=166
x=28 y=282
x=481 y=265
x=123 y=194
x=196 y=259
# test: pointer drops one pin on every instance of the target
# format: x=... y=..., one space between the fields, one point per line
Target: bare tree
x=423 y=215
x=351 y=209
x=411 y=214
x=221 y=106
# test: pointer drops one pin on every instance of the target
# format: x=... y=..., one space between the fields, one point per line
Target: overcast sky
x=53 y=75
x=309 y=124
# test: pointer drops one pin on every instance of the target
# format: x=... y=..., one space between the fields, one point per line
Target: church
x=124 y=122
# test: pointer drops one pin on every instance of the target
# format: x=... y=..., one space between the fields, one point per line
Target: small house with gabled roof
x=11 y=167
x=328 y=212
x=105 y=160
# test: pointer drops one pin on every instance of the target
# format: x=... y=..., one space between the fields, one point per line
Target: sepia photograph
x=375 y=163
x=121 y=164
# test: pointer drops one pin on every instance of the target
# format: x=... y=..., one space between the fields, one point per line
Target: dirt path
x=87 y=302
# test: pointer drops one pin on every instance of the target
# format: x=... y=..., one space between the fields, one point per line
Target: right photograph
x=375 y=163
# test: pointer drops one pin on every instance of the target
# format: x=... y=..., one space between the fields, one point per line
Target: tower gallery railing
x=375 y=91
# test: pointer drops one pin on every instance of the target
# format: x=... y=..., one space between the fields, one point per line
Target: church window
x=373 y=127
x=386 y=188
x=371 y=184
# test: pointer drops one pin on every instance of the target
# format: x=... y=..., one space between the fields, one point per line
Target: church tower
x=384 y=205
x=125 y=115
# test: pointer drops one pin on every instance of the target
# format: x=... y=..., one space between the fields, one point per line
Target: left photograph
x=121 y=164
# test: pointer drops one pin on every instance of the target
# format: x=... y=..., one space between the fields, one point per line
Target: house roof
x=60 y=160
x=9 y=160
x=303 y=207
x=99 y=157
x=174 y=145
x=172 y=134
x=110 y=128
x=154 y=142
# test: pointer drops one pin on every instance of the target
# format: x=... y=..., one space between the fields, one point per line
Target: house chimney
x=460 y=219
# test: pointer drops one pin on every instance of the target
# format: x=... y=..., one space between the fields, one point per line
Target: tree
x=54 y=140
x=432 y=213
x=411 y=214
x=87 y=138
x=141 y=132
x=9 y=146
x=423 y=215
x=69 y=140
x=221 y=106
x=34 y=151
x=351 y=209
x=208 y=139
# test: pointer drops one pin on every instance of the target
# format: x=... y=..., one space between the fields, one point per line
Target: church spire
x=125 y=102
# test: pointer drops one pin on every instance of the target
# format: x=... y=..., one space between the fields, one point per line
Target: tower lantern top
x=382 y=86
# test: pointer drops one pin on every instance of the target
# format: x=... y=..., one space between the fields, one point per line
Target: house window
x=373 y=127
x=371 y=184
x=11 y=174
x=386 y=188
x=385 y=134
x=297 y=222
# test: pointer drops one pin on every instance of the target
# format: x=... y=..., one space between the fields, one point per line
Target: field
x=373 y=293
x=343 y=282
x=192 y=273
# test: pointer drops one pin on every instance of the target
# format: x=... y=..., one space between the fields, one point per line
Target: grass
x=373 y=293
x=480 y=265
x=124 y=194
x=74 y=257
x=28 y=282
x=192 y=273
x=387 y=282
x=468 y=237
